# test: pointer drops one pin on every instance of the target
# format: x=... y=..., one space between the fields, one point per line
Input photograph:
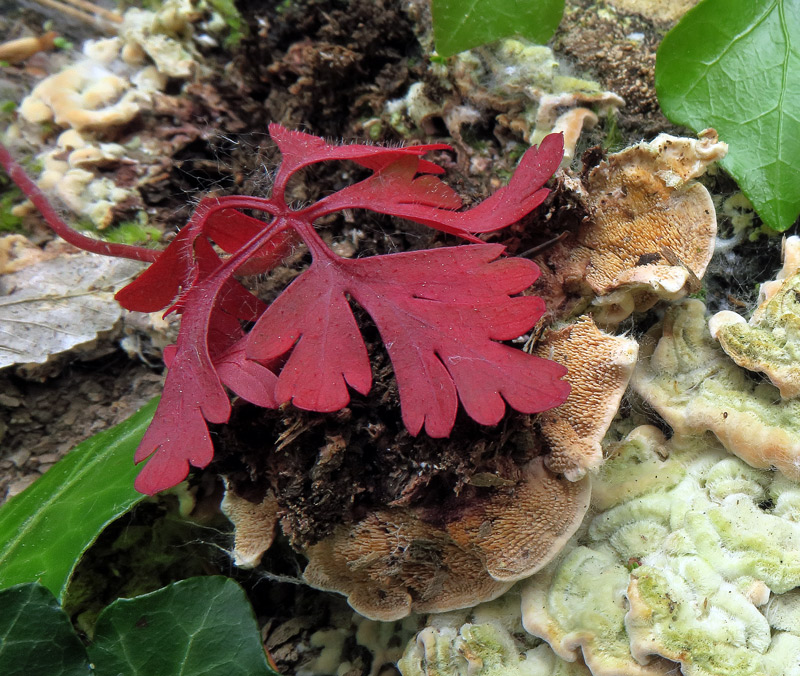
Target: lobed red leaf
x=439 y=313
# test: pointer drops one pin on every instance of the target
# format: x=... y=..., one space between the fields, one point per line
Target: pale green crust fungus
x=692 y=557
x=687 y=378
x=770 y=342
x=488 y=642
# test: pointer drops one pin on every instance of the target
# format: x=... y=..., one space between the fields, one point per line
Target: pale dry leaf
x=59 y=304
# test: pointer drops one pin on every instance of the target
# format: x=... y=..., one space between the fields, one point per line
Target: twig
x=87 y=12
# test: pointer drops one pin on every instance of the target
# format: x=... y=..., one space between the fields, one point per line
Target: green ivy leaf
x=45 y=529
x=36 y=636
x=735 y=65
x=464 y=24
x=203 y=626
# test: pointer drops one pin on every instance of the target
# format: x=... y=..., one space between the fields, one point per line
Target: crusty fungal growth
x=791 y=264
x=523 y=81
x=696 y=387
x=652 y=228
x=682 y=560
x=15 y=51
x=770 y=342
x=393 y=562
x=599 y=368
x=254 y=525
x=517 y=533
x=489 y=641
x=571 y=123
x=82 y=97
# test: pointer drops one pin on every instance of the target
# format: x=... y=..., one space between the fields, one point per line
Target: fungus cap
x=395 y=562
x=515 y=533
x=599 y=368
x=682 y=562
x=770 y=342
x=687 y=378
x=254 y=526
x=391 y=563
x=652 y=227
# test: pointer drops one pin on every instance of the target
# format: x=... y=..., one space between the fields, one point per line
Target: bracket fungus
x=696 y=387
x=678 y=565
x=599 y=368
x=84 y=96
x=651 y=228
x=521 y=82
x=489 y=641
x=16 y=51
x=254 y=526
x=395 y=561
x=391 y=563
x=770 y=342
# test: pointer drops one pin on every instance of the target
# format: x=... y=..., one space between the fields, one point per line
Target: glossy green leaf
x=463 y=24
x=734 y=65
x=36 y=637
x=203 y=626
x=45 y=529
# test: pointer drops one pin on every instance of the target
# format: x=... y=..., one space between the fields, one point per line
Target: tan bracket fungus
x=16 y=51
x=600 y=366
x=254 y=526
x=695 y=387
x=394 y=562
x=651 y=228
x=770 y=342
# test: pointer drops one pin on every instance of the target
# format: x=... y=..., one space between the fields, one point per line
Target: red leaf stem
x=25 y=183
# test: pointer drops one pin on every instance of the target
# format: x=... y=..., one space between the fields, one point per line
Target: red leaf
x=176 y=267
x=300 y=150
x=522 y=195
x=158 y=286
x=193 y=391
x=250 y=380
x=438 y=313
x=231 y=230
x=313 y=317
x=394 y=190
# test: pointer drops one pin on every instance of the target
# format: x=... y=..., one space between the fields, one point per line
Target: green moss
x=10 y=196
x=233 y=20
x=131 y=232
